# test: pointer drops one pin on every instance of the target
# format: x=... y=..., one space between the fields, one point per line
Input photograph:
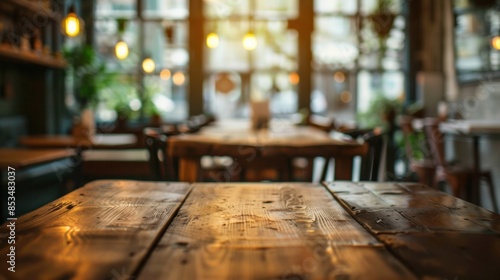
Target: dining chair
x=156 y=144
x=419 y=157
x=370 y=162
x=458 y=177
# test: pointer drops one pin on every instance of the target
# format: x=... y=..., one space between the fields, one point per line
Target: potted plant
x=89 y=77
x=382 y=112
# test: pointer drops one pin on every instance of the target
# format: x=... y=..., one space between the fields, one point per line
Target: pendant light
x=72 y=25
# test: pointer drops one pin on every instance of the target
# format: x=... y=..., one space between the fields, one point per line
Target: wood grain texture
x=267 y=231
x=19 y=158
x=437 y=235
x=100 y=231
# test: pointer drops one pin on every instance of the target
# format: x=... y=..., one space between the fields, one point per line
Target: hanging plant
x=383 y=18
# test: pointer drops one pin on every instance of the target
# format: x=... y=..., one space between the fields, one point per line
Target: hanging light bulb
x=495 y=42
x=72 y=25
x=212 y=40
x=148 y=65
x=179 y=78
x=121 y=49
x=250 y=41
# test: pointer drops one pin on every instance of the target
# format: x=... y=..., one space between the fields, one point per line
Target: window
x=352 y=63
x=159 y=32
x=236 y=74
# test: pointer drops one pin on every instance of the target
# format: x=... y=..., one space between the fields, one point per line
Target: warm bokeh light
x=346 y=96
x=495 y=42
x=294 y=78
x=165 y=74
x=179 y=78
x=148 y=65
x=212 y=40
x=71 y=25
x=339 y=77
x=249 y=41
x=121 y=50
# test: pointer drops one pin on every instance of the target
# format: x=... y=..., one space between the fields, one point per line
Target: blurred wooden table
x=98 y=141
x=20 y=160
x=148 y=230
x=474 y=129
x=282 y=140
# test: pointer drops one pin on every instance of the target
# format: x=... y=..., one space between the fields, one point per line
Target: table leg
x=476 y=183
x=343 y=168
x=189 y=169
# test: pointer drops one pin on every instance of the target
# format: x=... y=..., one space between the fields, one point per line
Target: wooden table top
x=98 y=141
x=282 y=137
x=147 y=230
x=18 y=158
x=471 y=127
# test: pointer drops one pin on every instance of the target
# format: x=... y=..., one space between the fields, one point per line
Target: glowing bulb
x=249 y=41
x=212 y=40
x=294 y=78
x=179 y=78
x=345 y=97
x=148 y=65
x=339 y=77
x=165 y=74
x=495 y=42
x=121 y=50
x=71 y=25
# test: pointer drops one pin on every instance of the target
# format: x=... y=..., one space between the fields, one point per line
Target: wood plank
x=436 y=235
x=393 y=208
x=267 y=231
x=465 y=256
x=97 y=232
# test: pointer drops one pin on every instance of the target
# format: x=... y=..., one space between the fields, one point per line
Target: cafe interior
x=368 y=101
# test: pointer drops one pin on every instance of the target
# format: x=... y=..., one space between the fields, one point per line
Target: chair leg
x=325 y=169
x=491 y=187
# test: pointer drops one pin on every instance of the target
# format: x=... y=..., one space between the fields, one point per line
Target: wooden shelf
x=33 y=7
x=16 y=55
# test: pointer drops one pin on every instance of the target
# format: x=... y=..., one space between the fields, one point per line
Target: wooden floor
x=145 y=230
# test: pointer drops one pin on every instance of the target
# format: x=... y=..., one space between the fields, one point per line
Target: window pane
x=333 y=93
x=166 y=97
x=229 y=55
x=371 y=84
x=106 y=36
x=169 y=9
x=335 y=47
x=224 y=90
x=335 y=6
x=226 y=8
x=276 y=8
x=167 y=44
x=277 y=46
x=116 y=8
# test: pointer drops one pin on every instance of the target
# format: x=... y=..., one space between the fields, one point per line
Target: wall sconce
x=148 y=65
x=72 y=25
x=212 y=40
x=249 y=41
x=121 y=47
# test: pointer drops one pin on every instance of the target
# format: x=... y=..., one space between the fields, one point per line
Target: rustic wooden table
x=147 y=230
x=247 y=146
x=17 y=160
x=98 y=141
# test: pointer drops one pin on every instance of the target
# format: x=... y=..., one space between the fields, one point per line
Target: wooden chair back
x=370 y=163
x=435 y=140
x=156 y=143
